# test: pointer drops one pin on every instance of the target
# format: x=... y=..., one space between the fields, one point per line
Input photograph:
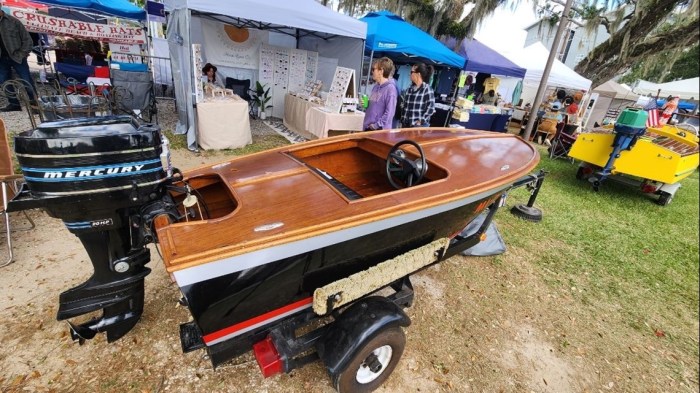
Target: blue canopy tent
x=116 y=8
x=389 y=35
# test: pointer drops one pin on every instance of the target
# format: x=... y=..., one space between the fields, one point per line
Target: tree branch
x=608 y=59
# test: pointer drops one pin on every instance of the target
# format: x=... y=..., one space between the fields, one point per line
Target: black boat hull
x=233 y=309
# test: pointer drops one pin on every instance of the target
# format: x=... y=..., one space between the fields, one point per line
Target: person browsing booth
x=15 y=46
x=419 y=99
x=382 y=100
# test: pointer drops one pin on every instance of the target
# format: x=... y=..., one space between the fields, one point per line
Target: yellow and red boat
x=657 y=161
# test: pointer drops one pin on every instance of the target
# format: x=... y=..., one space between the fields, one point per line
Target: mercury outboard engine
x=106 y=178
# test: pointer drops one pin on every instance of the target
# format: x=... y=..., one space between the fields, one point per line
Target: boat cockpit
x=361 y=168
x=355 y=168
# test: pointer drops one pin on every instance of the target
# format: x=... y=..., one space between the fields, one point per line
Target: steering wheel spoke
x=409 y=180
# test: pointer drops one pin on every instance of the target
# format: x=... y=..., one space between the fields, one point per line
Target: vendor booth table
x=485 y=121
x=295 y=110
x=223 y=123
x=318 y=122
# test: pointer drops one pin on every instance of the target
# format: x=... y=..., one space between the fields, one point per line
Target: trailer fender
x=355 y=326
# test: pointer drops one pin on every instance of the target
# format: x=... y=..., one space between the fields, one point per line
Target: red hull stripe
x=260 y=320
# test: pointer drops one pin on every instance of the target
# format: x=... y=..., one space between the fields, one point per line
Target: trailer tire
x=384 y=351
x=665 y=199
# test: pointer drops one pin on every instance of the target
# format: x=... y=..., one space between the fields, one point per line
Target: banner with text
x=40 y=23
x=230 y=46
x=125 y=53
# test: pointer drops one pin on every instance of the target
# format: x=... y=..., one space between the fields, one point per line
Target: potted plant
x=261 y=97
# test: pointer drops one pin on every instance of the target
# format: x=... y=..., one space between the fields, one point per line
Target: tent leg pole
x=454 y=98
x=369 y=70
x=193 y=79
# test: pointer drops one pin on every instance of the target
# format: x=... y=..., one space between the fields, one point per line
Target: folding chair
x=241 y=87
x=562 y=142
x=133 y=93
x=10 y=186
x=73 y=77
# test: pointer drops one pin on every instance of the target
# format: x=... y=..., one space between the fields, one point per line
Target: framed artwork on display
x=343 y=86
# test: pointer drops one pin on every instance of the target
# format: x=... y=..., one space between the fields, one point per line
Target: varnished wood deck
x=277 y=188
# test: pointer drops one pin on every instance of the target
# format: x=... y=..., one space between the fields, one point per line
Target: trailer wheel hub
x=374 y=364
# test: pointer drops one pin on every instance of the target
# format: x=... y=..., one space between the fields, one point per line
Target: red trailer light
x=268 y=358
x=648 y=188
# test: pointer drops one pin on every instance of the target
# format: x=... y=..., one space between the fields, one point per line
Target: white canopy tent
x=686 y=89
x=611 y=95
x=534 y=59
x=616 y=91
x=301 y=24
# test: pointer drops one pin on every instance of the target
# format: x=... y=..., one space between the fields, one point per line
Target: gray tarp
x=492 y=245
x=178 y=35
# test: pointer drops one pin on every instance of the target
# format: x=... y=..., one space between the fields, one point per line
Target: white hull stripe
x=264 y=256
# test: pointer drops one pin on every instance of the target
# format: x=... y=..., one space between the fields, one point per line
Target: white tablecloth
x=295 y=112
x=319 y=122
x=223 y=124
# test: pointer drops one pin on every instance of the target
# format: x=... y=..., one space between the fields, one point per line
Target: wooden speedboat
x=252 y=240
x=299 y=217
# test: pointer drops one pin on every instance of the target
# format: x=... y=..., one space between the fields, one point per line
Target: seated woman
x=209 y=75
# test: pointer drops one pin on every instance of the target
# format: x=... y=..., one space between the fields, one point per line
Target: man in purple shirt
x=382 y=101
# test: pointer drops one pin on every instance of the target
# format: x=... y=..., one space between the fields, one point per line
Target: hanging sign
x=124 y=53
x=155 y=12
x=40 y=23
x=230 y=46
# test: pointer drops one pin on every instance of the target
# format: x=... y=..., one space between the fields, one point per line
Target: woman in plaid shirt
x=418 y=99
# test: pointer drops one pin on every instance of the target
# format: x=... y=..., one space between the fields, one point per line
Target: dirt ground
x=488 y=324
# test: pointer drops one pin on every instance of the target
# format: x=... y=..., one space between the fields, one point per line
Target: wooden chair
x=10 y=186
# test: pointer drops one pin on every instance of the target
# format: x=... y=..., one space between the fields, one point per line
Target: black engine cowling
x=104 y=177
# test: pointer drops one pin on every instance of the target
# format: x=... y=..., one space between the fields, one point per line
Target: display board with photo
x=297 y=70
x=343 y=86
x=197 y=66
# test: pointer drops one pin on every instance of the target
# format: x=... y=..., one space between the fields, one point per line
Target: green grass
x=617 y=246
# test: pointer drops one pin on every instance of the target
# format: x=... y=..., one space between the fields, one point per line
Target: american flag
x=653 y=118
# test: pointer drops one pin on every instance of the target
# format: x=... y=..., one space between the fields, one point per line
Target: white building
x=574 y=47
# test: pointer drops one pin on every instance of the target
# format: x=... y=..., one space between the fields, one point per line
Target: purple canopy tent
x=481 y=58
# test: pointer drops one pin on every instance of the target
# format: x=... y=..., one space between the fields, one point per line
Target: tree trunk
x=399 y=9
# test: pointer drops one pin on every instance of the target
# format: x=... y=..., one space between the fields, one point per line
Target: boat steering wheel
x=401 y=171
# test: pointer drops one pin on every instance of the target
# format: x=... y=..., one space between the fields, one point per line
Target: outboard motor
x=629 y=126
x=106 y=178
